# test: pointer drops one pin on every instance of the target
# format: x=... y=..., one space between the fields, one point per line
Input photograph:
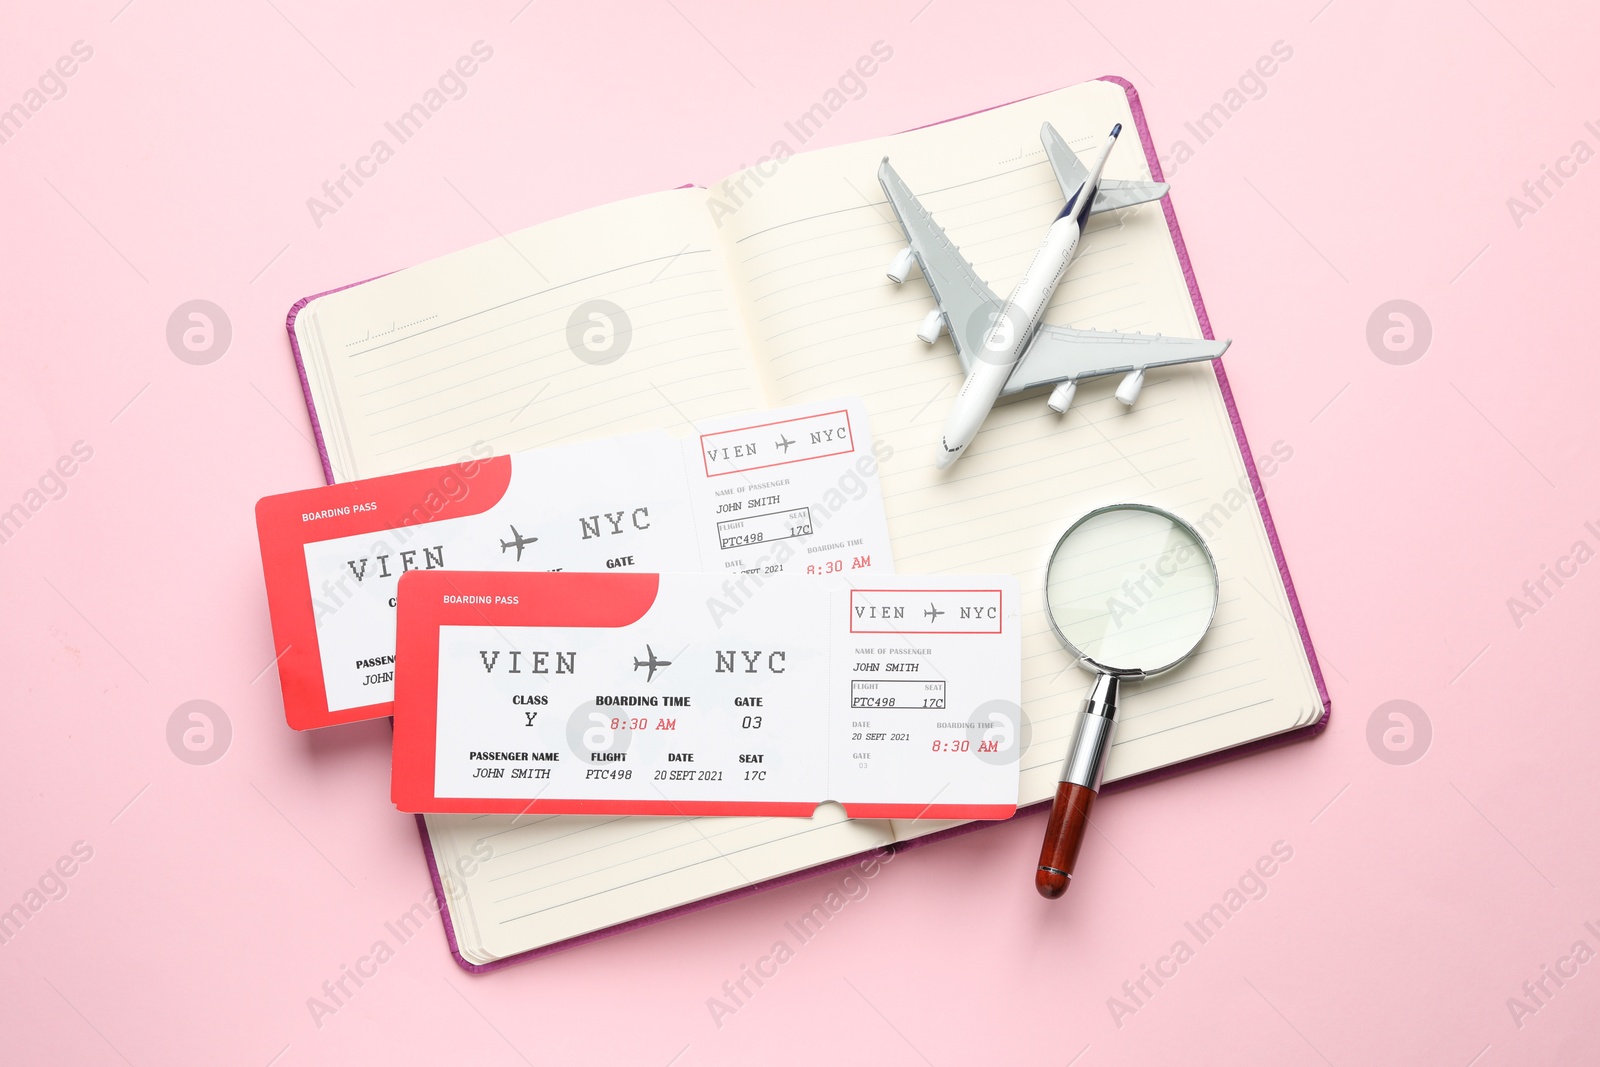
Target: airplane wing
x=1060 y=354
x=965 y=300
x=1070 y=173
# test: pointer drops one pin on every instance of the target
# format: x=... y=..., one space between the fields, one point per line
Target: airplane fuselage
x=1014 y=328
x=1008 y=338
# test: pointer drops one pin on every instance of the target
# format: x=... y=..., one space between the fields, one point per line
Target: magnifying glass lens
x=1130 y=590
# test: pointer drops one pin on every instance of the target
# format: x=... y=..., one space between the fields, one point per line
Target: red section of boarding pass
x=288 y=522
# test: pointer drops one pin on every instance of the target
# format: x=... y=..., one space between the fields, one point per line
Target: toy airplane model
x=1008 y=348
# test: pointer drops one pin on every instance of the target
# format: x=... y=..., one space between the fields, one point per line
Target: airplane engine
x=900 y=265
x=932 y=326
x=1061 y=396
x=1128 y=391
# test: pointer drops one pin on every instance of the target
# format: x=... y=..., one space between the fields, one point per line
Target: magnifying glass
x=1130 y=590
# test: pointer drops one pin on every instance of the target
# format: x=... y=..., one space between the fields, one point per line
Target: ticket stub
x=744 y=498
x=644 y=694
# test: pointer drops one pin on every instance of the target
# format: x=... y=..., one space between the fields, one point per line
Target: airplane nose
x=946 y=457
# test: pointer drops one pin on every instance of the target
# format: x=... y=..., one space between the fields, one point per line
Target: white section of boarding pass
x=928 y=687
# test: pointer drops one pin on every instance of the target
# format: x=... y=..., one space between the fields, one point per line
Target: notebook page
x=812 y=245
x=479 y=348
x=549 y=878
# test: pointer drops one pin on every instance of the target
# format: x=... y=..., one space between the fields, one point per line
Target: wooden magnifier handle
x=1063 y=837
x=1080 y=784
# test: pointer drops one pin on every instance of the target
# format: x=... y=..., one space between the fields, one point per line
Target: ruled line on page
x=515 y=300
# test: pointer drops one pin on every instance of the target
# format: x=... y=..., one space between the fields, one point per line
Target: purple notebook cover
x=833 y=865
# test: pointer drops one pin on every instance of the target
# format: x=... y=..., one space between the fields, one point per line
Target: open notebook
x=770 y=289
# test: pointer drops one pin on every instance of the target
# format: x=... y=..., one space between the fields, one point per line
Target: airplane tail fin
x=1070 y=173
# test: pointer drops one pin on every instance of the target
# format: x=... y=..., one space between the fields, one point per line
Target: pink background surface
x=1375 y=166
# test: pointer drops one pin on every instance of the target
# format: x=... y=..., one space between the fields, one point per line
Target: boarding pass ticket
x=644 y=694
x=744 y=498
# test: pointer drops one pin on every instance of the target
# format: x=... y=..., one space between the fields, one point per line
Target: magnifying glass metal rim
x=1211 y=562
